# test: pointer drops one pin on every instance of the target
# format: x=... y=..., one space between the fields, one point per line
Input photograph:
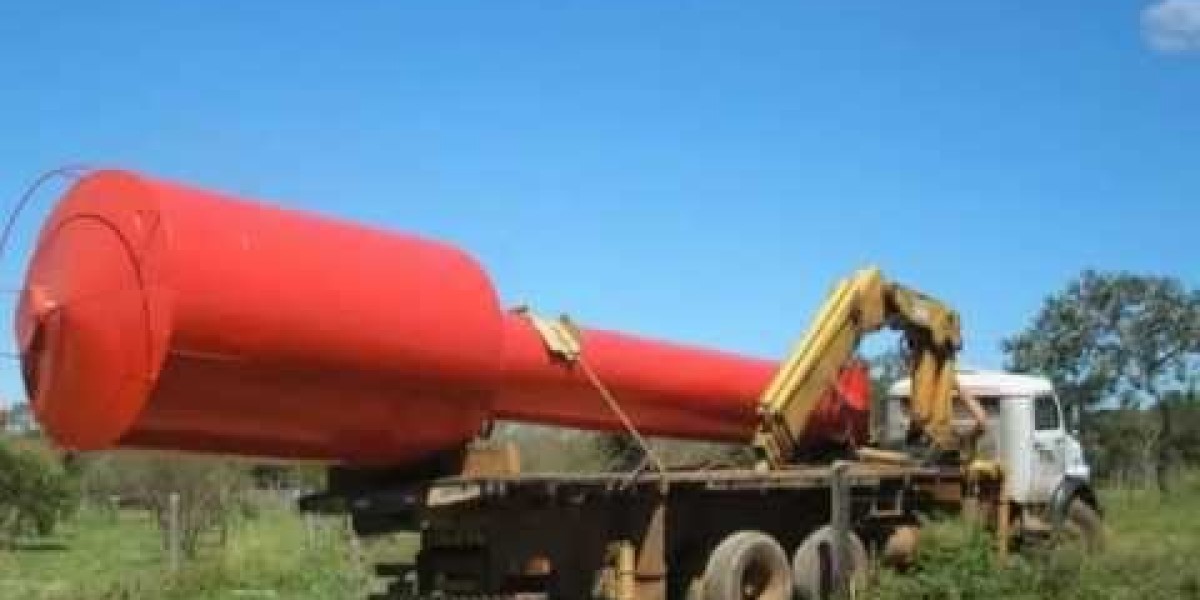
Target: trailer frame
x=492 y=532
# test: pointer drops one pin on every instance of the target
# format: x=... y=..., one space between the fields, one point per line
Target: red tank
x=158 y=315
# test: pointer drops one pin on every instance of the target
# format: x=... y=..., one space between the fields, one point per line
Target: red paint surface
x=843 y=414
x=158 y=315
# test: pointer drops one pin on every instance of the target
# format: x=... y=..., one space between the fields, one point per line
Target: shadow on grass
x=39 y=546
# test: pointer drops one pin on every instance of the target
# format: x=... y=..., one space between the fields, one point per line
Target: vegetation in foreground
x=119 y=556
x=1153 y=552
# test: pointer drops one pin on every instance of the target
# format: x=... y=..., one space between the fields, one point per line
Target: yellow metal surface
x=502 y=459
x=891 y=457
x=900 y=548
x=626 y=571
x=1003 y=523
x=861 y=304
x=983 y=470
x=560 y=336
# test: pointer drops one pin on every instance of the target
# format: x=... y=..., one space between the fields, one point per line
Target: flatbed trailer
x=641 y=535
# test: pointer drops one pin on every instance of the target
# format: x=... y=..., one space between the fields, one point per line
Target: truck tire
x=747 y=565
x=1084 y=524
x=812 y=566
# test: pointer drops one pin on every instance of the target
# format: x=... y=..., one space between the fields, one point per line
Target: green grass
x=1153 y=552
x=97 y=557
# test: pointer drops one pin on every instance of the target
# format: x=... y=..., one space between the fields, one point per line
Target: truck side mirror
x=1073 y=418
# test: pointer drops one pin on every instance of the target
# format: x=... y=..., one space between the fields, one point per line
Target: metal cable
x=66 y=171
x=564 y=342
x=615 y=407
x=70 y=172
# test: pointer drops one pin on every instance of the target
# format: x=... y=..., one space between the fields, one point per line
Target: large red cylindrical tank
x=163 y=316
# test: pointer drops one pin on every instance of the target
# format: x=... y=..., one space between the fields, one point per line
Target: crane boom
x=861 y=304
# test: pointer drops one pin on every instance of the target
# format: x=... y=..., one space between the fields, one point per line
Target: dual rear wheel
x=751 y=565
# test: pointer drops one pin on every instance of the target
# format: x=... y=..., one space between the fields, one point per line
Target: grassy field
x=100 y=556
x=1153 y=552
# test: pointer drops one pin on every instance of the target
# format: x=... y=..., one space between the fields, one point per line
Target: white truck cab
x=1027 y=433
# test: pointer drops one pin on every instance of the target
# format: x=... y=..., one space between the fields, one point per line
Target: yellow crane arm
x=862 y=304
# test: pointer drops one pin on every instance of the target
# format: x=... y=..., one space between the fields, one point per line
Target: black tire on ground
x=812 y=565
x=1085 y=525
x=747 y=565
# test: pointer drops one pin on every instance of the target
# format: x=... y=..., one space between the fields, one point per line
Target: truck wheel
x=900 y=548
x=747 y=565
x=1084 y=525
x=812 y=566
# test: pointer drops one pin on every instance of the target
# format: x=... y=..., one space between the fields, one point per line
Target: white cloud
x=1172 y=25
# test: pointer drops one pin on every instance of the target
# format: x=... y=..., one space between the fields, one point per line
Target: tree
x=1185 y=423
x=1116 y=337
x=35 y=491
x=211 y=490
x=17 y=420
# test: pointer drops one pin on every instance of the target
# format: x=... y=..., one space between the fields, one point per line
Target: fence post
x=310 y=530
x=112 y=509
x=174 y=542
x=1003 y=521
x=839 y=502
x=356 y=550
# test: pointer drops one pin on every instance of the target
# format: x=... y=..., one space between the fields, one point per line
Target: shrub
x=212 y=491
x=35 y=491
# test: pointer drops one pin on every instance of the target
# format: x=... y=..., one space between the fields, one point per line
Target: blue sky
x=696 y=171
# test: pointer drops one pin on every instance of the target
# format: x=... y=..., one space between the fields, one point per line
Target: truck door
x=1049 y=448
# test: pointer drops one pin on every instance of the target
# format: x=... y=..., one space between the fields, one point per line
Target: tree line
x=1121 y=347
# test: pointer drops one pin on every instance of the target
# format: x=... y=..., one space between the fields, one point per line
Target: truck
x=801 y=529
x=1032 y=435
x=158 y=315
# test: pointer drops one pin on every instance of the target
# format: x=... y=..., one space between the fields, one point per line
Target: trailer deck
x=560 y=535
